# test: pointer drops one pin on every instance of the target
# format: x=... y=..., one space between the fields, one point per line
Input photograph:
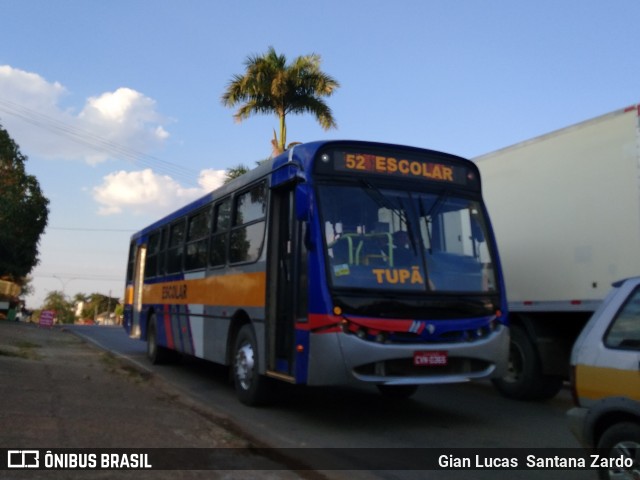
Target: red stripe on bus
x=323 y=322
x=167 y=327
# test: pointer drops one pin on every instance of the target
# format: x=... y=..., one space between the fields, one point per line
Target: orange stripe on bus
x=247 y=289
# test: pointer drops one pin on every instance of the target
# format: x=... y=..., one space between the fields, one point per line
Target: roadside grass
x=21 y=349
x=115 y=365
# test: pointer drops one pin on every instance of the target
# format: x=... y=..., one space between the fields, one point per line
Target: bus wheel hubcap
x=244 y=365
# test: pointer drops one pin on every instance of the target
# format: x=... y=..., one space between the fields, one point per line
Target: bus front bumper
x=342 y=358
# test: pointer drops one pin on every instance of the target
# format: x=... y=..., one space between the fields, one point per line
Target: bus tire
x=397 y=392
x=251 y=388
x=525 y=380
x=157 y=354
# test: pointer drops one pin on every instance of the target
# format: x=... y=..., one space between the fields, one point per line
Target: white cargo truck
x=566 y=212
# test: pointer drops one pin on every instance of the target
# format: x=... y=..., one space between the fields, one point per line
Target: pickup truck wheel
x=621 y=440
x=251 y=387
x=524 y=379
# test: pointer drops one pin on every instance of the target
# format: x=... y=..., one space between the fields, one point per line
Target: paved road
x=445 y=416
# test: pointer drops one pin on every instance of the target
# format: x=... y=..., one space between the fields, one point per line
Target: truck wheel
x=251 y=387
x=621 y=440
x=525 y=380
x=157 y=354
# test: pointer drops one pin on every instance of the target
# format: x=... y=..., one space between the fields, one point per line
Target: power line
x=80 y=276
x=96 y=142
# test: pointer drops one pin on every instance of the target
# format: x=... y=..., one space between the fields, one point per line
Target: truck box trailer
x=565 y=207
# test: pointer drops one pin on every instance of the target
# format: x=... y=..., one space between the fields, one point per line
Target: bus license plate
x=430 y=359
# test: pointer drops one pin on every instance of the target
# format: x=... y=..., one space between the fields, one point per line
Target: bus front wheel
x=251 y=387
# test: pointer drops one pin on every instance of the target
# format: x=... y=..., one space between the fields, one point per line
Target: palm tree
x=235 y=172
x=270 y=85
x=57 y=301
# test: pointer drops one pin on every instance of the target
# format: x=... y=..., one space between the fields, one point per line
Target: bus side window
x=131 y=262
x=152 y=260
x=176 y=247
x=219 y=236
x=162 y=256
x=196 y=252
x=247 y=234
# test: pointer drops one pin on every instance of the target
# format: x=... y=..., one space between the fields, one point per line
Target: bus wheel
x=524 y=379
x=251 y=387
x=156 y=354
x=398 y=392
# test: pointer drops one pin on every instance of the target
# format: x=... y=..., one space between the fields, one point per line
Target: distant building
x=9 y=302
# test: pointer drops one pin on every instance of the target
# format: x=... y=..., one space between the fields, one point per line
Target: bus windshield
x=387 y=239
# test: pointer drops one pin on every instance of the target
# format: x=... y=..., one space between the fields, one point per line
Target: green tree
x=23 y=212
x=240 y=169
x=27 y=287
x=80 y=297
x=271 y=86
x=57 y=301
x=235 y=172
x=103 y=303
x=96 y=304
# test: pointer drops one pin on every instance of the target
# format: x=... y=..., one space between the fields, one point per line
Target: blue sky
x=117 y=104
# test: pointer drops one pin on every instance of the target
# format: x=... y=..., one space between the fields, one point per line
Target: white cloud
x=114 y=106
x=29 y=89
x=210 y=179
x=148 y=192
x=122 y=124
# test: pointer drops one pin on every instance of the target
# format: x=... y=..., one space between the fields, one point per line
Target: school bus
x=336 y=262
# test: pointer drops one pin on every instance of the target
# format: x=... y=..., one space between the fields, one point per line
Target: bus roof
x=300 y=157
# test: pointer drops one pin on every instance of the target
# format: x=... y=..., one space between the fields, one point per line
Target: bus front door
x=287 y=283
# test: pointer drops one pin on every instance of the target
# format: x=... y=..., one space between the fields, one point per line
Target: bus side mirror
x=303 y=202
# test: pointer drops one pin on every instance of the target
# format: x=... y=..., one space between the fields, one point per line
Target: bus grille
x=404 y=367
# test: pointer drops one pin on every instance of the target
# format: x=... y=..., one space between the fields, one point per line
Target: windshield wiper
x=382 y=200
x=435 y=208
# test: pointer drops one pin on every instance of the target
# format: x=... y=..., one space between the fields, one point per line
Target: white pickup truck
x=605 y=365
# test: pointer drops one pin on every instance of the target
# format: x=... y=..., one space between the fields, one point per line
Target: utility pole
x=109 y=308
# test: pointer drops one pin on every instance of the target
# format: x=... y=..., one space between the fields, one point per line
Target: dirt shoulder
x=56 y=391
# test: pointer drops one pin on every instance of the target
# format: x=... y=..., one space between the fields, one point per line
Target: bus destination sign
x=418 y=169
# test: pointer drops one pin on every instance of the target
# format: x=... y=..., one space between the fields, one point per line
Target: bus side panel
x=215 y=331
x=182 y=329
x=302 y=344
x=319 y=298
x=326 y=360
